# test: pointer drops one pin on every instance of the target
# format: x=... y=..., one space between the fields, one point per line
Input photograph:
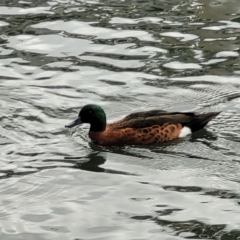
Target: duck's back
x=151 y=118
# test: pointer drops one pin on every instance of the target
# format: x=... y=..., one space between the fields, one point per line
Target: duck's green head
x=92 y=114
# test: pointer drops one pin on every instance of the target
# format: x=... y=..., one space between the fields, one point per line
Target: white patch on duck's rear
x=184 y=132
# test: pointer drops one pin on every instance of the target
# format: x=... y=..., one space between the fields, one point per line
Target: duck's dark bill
x=74 y=123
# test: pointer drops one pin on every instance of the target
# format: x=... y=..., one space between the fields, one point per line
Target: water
x=126 y=56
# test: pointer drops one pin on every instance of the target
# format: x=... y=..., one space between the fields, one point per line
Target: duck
x=140 y=128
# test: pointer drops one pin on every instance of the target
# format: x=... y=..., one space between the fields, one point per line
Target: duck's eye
x=90 y=112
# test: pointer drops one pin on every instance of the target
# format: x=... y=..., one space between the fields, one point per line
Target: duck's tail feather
x=201 y=120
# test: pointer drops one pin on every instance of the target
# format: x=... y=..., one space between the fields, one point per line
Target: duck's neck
x=98 y=126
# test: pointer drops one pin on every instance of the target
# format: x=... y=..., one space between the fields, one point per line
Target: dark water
x=126 y=56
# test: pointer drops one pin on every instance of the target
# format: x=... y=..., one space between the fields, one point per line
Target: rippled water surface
x=57 y=56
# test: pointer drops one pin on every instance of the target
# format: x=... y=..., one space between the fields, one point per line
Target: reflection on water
x=126 y=56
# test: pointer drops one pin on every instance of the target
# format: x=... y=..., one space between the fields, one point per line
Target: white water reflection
x=126 y=56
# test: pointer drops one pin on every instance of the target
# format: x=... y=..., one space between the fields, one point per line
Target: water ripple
x=126 y=56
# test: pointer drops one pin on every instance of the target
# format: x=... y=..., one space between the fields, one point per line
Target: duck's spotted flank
x=141 y=128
